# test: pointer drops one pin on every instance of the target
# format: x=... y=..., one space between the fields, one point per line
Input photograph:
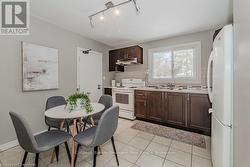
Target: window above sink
x=175 y=64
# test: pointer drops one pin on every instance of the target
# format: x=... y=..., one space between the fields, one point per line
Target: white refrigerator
x=220 y=88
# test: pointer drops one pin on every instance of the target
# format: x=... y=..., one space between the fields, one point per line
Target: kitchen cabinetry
x=124 y=54
x=175 y=108
x=154 y=106
x=182 y=110
x=108 y=91
x=198 y=116
x=140 y=104
x=114 y=55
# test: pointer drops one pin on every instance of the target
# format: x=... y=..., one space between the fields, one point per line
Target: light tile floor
x=135 y=149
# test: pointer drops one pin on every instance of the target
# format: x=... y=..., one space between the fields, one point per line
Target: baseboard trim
x=14 y=143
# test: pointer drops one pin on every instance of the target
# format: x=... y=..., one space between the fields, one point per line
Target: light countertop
x=193 y=90
x=189 y=90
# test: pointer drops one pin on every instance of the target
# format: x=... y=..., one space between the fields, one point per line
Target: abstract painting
x=40 y=67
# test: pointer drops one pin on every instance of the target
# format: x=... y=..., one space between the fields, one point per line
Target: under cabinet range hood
x=126 y=62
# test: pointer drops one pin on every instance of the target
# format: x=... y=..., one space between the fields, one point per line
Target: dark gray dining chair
x=98 y=135
x=107 y=101
x=39 y=143
x=51 y=102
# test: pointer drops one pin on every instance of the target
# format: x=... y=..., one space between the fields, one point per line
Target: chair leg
x=113 y=143
x=67 y=126
x=95 y=154
x=68 y=130
x=49 y=128
x=84 y=126
x=100 y=150
x=57 y=152
x=37 y=160
x=77 y=150
x=24 y=158
x=77 y=129
x=68 y=152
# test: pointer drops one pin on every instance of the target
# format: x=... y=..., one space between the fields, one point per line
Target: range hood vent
x=126 y=62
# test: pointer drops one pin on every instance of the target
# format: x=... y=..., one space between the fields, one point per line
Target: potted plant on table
x=79 y=101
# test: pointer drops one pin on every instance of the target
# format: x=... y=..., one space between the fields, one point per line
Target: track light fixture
x=110 y=5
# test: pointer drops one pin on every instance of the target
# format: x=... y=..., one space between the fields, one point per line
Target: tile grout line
x=113 y=155
x=192 y=156
x=201 y=156
x=181 y=149
x=156 y=143
x=146 y=146
x=144 y=149
x=126 y=144
x=167 y=152
x=129 y=140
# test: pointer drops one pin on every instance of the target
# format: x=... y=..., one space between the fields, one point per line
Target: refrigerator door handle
x=210 y=111
x=209 y=86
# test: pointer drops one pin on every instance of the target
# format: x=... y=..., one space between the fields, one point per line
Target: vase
x=79 y=105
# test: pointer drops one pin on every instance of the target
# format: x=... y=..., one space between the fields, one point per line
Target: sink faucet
x=171 y=85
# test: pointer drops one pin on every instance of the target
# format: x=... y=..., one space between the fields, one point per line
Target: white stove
x=124 y=97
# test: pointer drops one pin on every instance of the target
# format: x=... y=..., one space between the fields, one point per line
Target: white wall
x=31 y=104
x=139 y=71
x=242 y=83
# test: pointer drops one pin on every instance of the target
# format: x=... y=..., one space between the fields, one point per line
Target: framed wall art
x=40 y=67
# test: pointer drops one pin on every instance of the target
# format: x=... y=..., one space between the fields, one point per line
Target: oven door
x=124 y=99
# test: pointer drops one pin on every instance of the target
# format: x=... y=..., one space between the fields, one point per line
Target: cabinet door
x=139 y=54
x=124 y=54
x=140 y=108
x=112 y=60
x=155 y=106
x=198 y=116
x=131 y=51
x=108 y=91
x=140 y=104
x=114 y=55
x=175 y=109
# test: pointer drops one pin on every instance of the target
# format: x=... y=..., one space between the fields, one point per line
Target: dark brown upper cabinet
x=114 y=55
x=124 y=54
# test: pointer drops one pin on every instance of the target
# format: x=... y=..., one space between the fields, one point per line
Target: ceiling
x=158 y=18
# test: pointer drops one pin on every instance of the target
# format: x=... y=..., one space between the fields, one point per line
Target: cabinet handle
x=186 y=112
x=145 y=103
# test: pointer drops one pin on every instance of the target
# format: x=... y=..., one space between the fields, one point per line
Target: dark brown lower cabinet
x=140 y=108
x=140 y=104
x=108 y=91
x=175 y=107
x=155 y=106
x=198 y=116
x=183 y=110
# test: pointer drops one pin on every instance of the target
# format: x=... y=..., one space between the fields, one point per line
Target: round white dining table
x=62 y=112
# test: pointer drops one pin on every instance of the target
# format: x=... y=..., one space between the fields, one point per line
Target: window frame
x=196 y=46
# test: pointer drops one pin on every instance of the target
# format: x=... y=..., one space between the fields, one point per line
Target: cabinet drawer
x=140 y=94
